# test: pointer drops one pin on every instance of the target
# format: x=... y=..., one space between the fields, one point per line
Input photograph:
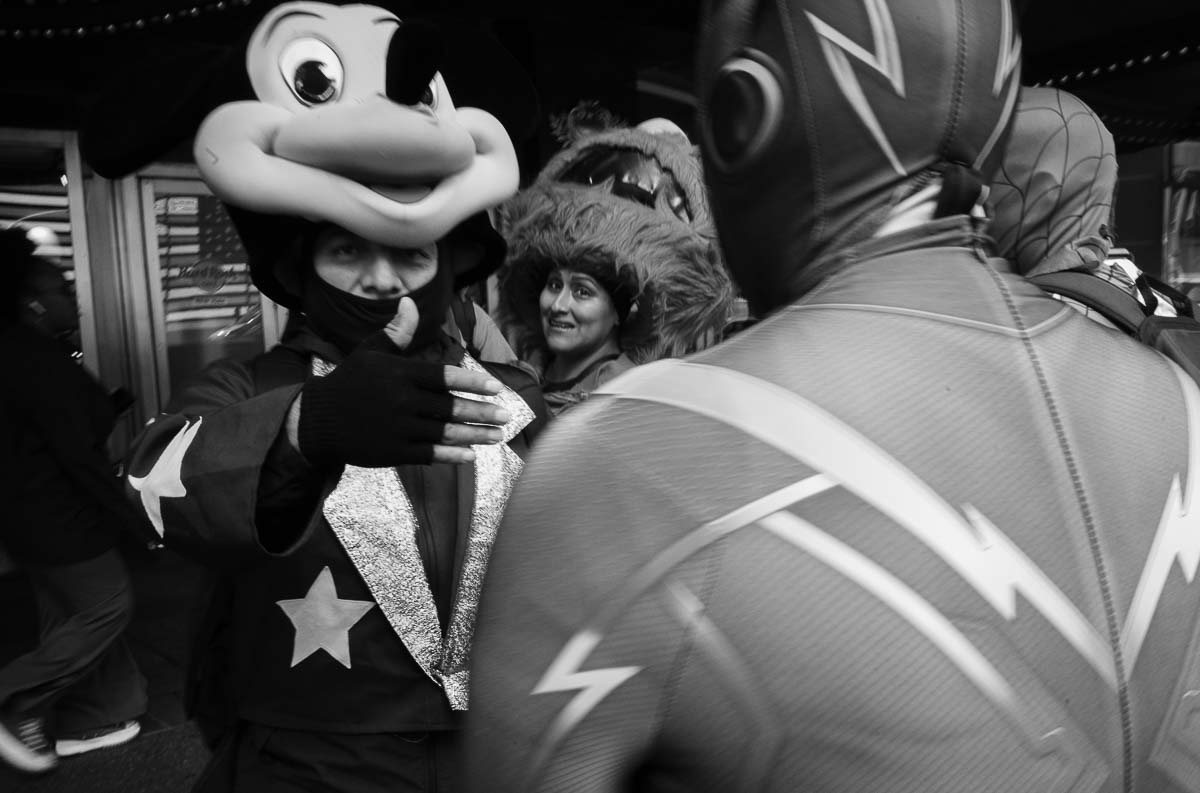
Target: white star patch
x=164 y=480
x=323 y=621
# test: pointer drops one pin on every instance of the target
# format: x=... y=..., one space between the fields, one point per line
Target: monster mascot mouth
x=354 y=125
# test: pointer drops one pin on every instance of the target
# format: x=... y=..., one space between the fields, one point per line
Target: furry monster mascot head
x=627 y=205
x=353 y=125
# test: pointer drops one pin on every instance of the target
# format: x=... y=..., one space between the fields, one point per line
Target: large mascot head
x=353 y=125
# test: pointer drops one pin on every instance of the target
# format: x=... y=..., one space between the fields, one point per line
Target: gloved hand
x=378 y=409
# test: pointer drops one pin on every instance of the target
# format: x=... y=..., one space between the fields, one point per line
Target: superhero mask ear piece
x=745 y=109
x=744 y=97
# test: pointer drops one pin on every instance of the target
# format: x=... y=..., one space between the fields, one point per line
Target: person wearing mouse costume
x=351 y=479
x=912 y=531
x=612 y=256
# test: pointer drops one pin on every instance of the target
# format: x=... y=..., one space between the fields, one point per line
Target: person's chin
x=558 y=343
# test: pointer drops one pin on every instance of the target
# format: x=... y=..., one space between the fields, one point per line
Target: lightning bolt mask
x=819 y=116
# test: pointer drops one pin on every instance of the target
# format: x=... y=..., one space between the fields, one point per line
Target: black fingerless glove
x=377 y=409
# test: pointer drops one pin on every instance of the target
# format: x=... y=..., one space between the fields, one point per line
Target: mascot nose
x=414 y=55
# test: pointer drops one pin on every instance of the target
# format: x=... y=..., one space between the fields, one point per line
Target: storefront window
x=1181 y=237
x=209 y=308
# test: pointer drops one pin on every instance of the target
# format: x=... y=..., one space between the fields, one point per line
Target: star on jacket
x=164 y=479
x=323 y=621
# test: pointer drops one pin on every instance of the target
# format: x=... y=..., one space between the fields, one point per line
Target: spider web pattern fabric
x=1057 y=180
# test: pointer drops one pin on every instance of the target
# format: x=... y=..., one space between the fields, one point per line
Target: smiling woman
x=581 y=322
x=612 y=258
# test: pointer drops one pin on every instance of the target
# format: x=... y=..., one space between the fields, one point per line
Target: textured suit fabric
x=918 y=621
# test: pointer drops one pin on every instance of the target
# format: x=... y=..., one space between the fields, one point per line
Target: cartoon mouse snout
x=377 y=141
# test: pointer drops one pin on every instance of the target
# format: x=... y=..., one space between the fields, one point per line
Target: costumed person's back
x=613 y=260
x=352 y=496
x=903 y=534
x=1052 y=203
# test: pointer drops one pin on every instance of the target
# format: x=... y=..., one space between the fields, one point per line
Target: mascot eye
x=430 y=96
x=312 y=70
x=630 y=174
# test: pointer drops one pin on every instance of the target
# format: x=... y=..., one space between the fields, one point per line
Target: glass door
x=41 y=181
x=202 y=304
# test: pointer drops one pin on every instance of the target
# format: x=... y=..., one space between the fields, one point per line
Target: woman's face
x=578 y=316
x=368 y=269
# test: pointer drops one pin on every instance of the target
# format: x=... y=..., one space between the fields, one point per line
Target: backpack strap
x=1183 y=306
x=1176 y=337
x=1114 y=303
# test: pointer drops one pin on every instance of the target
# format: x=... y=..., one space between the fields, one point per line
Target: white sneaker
x=24 y=745
x=99 y=738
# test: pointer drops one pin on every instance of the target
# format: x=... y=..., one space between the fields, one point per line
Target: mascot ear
x=414 y=55
x=584 y=120
x=663 y=126
x=140 y=112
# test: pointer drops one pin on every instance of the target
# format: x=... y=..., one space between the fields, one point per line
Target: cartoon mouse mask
x=354 y=126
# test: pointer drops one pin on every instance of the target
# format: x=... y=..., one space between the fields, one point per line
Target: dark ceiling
x=78 y=63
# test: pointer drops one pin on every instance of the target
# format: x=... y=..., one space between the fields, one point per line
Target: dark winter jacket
x=354 y=590
x=65 y=502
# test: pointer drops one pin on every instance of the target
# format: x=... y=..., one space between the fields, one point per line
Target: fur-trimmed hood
x=634 y=199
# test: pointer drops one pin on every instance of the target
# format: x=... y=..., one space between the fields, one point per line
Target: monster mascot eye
x=312 y=70
x=744 y=111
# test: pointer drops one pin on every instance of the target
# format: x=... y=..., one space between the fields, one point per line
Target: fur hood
x=649 y=226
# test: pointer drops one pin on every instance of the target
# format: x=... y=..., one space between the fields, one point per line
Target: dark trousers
x=81 y=674
x=261 y=759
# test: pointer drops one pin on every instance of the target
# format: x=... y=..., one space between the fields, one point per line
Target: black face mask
x=345 y=319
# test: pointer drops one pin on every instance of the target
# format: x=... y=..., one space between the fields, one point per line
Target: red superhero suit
x=906 y=534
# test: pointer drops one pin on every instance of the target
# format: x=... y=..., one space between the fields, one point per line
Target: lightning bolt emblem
x=1177 y=538
x=966 y=541
x=1016 y=572
x=1006 y=63
x=164 y=479
x=592 y=685
x=1010 y=48
x=885 y=60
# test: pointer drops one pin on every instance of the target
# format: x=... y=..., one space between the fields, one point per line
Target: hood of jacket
x=1053 y=194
